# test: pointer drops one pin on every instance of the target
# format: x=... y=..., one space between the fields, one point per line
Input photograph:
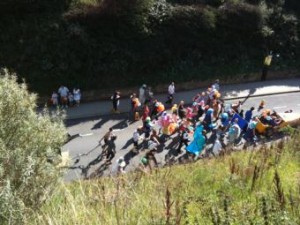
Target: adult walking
x=63 y=92
x=116 y=101
x=171 y=92
x=142 y=91
x=249 y=114
x=266 y=66
x=184 y=139
x=111 y=149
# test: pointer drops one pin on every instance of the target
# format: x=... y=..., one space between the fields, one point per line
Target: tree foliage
x=117 y=43
x=29 y=151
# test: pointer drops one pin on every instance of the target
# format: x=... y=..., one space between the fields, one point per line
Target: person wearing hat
x=121 y=165
x=147 y=127
x=145 y=162
x=234 y=132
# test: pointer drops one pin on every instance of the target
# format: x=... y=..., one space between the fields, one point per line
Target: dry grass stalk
x=279 y=194
x=233 y=167
x=178 y=212
x=265 y=211
x=168 y=206
x=254 y=177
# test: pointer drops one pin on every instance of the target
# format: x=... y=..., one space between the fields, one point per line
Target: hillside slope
x=248 y=187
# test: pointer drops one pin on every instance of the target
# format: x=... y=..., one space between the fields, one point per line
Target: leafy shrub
x=29 y=151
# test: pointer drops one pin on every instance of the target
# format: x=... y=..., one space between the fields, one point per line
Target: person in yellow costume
x=266 y=66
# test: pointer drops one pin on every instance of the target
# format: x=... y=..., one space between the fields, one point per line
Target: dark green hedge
x=126 y=43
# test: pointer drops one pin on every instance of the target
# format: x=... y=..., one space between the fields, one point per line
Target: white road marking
x=279 y=107
x=85 y=135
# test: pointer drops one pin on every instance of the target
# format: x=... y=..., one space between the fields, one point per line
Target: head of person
x=173 y=83
x=217 y=81
x=144 y=161
x=144 y=86
x=110 y=129
x=113 y=138
x=252 y=108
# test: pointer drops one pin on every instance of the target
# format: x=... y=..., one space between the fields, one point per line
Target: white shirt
x=77 y=94
x=171 y=89
x=136 y=136
x=63 y=91
x=217 y=86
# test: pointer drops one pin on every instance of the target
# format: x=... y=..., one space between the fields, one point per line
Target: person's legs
x=110 y=155
x=264 y=73
x=179 y=147
x=186 y=142
x=115 y=106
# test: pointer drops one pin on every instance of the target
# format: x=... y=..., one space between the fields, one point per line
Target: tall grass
x=206 y=192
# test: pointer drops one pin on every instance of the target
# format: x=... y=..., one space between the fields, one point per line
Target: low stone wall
x=104 y=94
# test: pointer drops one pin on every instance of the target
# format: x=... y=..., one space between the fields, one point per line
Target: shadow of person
x=127 y=144
x=130 y=155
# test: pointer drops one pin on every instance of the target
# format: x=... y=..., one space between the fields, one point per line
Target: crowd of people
x=65 y=98
x=207 y=120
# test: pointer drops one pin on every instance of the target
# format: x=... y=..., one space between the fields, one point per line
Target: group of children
x=65 y=98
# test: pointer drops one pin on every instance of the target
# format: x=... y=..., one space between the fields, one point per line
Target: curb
x=91 y=115
x=261 y=95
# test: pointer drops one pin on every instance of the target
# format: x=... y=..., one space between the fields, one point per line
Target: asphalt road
x=95 y=128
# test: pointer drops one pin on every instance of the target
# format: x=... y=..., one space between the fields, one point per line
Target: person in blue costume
x=250 y=132
x=208 y=120
x=197 y=145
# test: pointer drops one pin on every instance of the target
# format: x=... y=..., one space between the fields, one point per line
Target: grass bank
x=248 y=187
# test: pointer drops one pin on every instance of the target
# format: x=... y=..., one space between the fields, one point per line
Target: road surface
x=95 y=128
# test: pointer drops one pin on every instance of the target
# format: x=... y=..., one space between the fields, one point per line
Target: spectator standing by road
x=116 y=101
x=54 y=99
x=266 y=66
x=171 y=92
x=77 y=96
x=71 y=99
x=148 y=95
x=63 y=94
x=216 y=85
x=142 y=94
